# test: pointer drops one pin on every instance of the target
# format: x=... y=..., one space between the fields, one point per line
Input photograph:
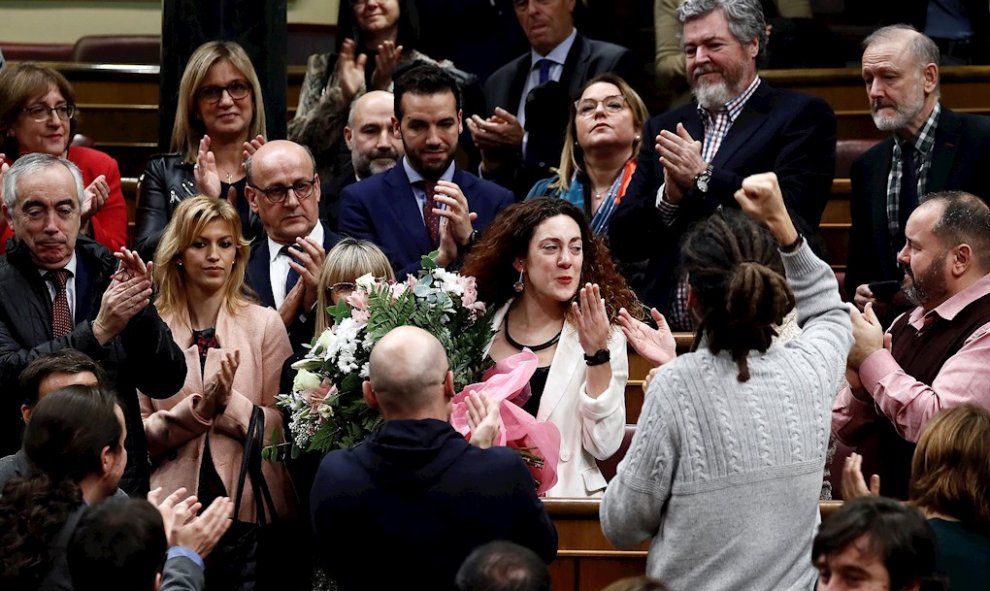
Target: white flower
x=366 y=282
x=305 y=380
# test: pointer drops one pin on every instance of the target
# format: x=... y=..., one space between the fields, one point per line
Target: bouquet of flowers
x=326 y=407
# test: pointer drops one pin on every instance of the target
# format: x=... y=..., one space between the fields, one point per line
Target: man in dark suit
x=415 y=490
x=736 y=126
x=931 y=149
x=284 y=269
x=60 y=290
x=401 y=210
x=530 y=97
x=373 y=145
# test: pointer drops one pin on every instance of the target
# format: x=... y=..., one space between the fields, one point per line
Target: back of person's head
x=745 y=18
x=637 y=584
x=894 y=533
x=950 y=471
x=408 y=372
x=188 y=223
x=118 y=545
x=424 y=79
x=965 y=219
x=736 y=277
x=68 y=362
x=69 y=430
x=503 y=566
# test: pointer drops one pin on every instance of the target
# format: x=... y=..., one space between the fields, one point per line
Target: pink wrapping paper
x=508 y=384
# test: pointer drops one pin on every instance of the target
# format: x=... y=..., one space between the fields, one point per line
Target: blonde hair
x=188 y=128
x=950 y=468
x=188 y=222
x=572 y=156
x=347 y=260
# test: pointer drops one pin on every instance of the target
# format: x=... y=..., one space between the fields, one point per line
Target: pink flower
x=315 y=396
x=361 y=316
x=357 y=300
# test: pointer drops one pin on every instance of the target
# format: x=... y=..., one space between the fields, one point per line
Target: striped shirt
x=924 y=144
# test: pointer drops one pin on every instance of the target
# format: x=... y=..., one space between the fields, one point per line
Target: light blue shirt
x=415 y=179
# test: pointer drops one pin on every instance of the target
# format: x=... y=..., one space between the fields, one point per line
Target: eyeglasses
x=587 y=107
x=278 y=193
x=41 y=113
x=212 y=94
x=341 y=287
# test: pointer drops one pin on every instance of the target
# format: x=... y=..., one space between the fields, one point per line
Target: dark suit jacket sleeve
x=354 y=220
x=636 y=220
x=858 y=269
x=805 y=164
x=14 y=358
x=156 y=364
x=534 y=528
x=182 y=574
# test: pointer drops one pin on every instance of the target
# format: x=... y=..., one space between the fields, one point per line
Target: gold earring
x=519 y=285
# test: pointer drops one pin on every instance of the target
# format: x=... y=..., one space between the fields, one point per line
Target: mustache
x=878 y=104
x=385 y=153
x=707 y=69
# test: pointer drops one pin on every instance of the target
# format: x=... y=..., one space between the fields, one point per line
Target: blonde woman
x=347 y=260
x=220 y=116
x=234 y=351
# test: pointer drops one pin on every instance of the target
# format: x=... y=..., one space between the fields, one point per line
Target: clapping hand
x=177 y=509
x=386 y=60
x=307 y=260
x=130 y=265
x=592 y=319
x=656 y=345
x=483 y=418
x=218 y=389
x=680 y=156
x=205 y=169
x=350 y=70
x=121 y=301
x=202 y=533
x=96 y=195
x=853 y=483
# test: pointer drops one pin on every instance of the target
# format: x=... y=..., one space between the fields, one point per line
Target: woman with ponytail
x=725 y=469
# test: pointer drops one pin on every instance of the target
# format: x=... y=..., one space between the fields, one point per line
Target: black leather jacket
x=166 y=181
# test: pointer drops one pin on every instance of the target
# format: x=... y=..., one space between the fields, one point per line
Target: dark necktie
x=431 y=219
x=292 y=277
x=61 y=314
x=544 y=66
x=909 y=185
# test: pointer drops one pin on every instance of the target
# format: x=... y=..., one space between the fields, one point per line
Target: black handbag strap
x=251 y=464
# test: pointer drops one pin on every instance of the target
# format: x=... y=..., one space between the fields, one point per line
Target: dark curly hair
x=33 y=510
x=735 y=272
x=508 y=238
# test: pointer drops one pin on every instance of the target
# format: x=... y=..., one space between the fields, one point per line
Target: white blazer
x=589 y=427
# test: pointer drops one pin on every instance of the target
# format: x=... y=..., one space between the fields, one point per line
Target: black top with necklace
x=538 y=381
x=210 y=484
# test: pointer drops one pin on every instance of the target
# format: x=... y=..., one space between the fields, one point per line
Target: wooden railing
x=585 y=559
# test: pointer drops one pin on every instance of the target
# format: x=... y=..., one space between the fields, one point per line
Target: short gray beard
x=713 y=96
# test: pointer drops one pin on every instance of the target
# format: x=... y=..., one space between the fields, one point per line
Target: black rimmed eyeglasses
x=41 y=113
x=212 y=94
x=278 y=193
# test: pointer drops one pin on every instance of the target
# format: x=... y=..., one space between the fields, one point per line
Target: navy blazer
x=781 y=131
x=383 y=209
x=586 y=59
x=960 y=161
x=258 y=278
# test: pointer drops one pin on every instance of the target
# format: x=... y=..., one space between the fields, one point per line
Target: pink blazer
x=177 y=433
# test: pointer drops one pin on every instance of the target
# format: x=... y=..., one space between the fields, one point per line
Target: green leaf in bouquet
x=339 y=311
x=429 y=261
x=350 y=382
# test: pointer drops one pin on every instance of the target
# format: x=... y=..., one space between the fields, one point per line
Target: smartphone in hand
x=884 y=291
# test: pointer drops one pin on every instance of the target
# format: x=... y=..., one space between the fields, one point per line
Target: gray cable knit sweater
x=725 y=476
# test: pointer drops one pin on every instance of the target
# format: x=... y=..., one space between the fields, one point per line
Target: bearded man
x=931 y=148
x=737 y=126
x=935 y=357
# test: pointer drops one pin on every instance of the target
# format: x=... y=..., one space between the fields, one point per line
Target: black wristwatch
x=601 y=356
x=702 y=178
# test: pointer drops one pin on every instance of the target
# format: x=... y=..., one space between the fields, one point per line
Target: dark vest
x=921 y=353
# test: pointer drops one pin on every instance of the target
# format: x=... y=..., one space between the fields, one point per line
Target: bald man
x=374 y=147
x=284 y=190
x=415 y=498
